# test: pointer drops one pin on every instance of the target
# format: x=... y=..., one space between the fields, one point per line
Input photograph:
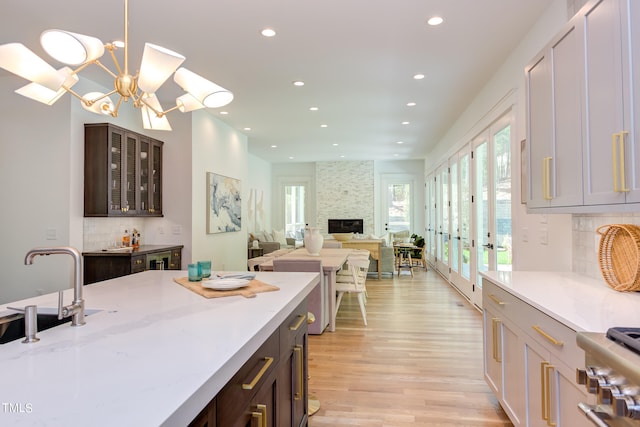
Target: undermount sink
x=12 y=325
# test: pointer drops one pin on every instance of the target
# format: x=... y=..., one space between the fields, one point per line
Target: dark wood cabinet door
x=122 y=172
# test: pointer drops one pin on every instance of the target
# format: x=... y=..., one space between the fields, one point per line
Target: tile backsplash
x=586 y=239
x=102 y=233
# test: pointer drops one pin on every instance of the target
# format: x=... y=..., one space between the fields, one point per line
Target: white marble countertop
x=154 y=355
x=582 y=303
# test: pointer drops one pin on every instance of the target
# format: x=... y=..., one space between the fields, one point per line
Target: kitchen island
x=155 y=354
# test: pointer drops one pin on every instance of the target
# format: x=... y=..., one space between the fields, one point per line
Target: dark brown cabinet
x=104 y=265
x=270 y=389
x=122 y=172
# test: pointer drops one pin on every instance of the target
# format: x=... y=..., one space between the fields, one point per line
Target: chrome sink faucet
x=76 y=309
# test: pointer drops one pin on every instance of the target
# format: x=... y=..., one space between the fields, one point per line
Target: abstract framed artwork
x=224 y=204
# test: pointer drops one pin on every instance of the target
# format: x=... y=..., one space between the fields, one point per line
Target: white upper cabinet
x=583 y=113
x=554 y=123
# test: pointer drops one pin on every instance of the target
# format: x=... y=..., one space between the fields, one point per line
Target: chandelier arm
x=111 y=50
x=149 y=106
x=170 y=110
x=101 y=65
x=114 y=113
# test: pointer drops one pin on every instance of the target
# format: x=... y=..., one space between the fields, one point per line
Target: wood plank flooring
x=417 y=363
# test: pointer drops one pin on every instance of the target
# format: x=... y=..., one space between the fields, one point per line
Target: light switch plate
x=51 y=234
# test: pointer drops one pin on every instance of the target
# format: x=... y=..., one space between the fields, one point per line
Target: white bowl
x=342 y=237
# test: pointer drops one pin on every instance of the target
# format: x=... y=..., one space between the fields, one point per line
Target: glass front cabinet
x=122 y=172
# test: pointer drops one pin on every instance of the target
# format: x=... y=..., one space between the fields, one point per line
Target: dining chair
x=355 y=282
x=318 y=302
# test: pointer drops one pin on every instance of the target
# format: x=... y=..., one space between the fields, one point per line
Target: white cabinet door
x=603 y=116
x=554 y=129
x=539 y=122
x=504 y=363
x=552 y=394
x=631 y=46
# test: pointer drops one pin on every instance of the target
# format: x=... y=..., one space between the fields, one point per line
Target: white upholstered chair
x=354 y=283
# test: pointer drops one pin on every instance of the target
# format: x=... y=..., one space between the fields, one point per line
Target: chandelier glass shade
x=158 y=64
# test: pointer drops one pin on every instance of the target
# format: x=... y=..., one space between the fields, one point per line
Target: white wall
x=220 y=149
x=259 y=180
x=35 y=177
x=506 y=88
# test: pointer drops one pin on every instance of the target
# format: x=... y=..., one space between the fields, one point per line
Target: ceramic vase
x=313 y=241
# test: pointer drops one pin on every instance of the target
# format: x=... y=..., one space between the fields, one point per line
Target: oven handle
x=592 y=415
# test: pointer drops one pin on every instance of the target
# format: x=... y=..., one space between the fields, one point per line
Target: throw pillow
x=267 y=236
x=278 y=236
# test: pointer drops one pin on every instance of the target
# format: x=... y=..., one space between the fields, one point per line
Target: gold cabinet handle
x=268 y=361
x=301 y=319
x=297 y=352
x=548 y=337
x=547 y=369
x=544 y=391
x=259 y=416
x=495 y=323
x=496 y=299
x=617 y=162
x=546 y=178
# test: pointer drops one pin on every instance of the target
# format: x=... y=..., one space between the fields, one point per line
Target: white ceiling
x=356 y=57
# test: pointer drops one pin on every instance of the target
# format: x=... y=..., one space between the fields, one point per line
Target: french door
x=430 y=237
x=461 y=244
x=397 y=197
x=492 y=194
x=442 y=221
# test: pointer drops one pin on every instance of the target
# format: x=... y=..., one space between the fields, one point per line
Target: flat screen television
x=346 y=226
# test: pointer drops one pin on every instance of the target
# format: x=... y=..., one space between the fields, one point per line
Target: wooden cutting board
x=255 y=286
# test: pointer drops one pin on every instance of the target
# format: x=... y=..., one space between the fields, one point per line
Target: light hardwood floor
x=417 y=363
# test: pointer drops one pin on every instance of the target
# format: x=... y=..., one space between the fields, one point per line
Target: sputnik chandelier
x=78 y=50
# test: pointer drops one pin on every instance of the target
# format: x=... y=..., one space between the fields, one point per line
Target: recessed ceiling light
x=247 y=129
x=419 y=76
x=399 y=142
x=335 y=144
x=268 y=32
x=405 y=123
x=291 y=157
x=274 y=146
x=313 y=108
x=342 y=156
x=435 y=20
x=411 y=104
x=224 y=113
x=298 y=83
x=324 y=126
x=396 y=155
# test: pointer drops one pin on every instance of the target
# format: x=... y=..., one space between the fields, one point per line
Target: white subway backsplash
x=586 y=239
x=103 y=233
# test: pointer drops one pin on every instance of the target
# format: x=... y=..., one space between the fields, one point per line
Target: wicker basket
x=619 y=256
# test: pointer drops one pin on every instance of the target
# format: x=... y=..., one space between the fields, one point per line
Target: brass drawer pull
x=258 y=377
x=496 y=299
x=301 y=318
x=260 y=417
x=548 y=337
x=297 y=351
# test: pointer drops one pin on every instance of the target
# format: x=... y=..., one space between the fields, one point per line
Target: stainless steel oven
x=612 y=373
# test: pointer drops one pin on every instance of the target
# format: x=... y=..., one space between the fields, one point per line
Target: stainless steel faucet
x=76 y=309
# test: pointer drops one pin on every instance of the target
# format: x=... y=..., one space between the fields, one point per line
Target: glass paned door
x=398 y=207
x=294 y=211
x=483 y=234
x=492 y=171
x=502 y=191
x=455 y=218
x=460 y=241
x=431 y=222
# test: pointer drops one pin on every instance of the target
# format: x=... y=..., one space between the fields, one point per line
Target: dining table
x=332 y=260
